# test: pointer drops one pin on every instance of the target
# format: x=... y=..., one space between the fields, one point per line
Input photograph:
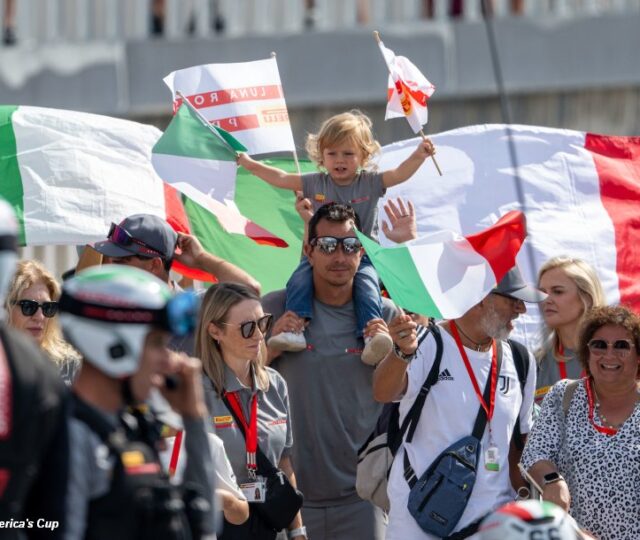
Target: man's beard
x=492 y=324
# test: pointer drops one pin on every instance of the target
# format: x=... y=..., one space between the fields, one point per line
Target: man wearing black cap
x=479 y=369
x=150 y=243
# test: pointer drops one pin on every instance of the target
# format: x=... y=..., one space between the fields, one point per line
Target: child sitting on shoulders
x=342 y=149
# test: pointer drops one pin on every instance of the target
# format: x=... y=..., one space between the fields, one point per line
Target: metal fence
x=43 y=21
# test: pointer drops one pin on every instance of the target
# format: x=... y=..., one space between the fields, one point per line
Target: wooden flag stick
x=376 y=34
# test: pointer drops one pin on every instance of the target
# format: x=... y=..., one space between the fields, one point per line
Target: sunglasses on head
x=122 y=237
x=328 y=244
x=620 y=347
x=248 y=328
x=30 y=307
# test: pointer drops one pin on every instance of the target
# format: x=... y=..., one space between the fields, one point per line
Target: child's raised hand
x=425 y=148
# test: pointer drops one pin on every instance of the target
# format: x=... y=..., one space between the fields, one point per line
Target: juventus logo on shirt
x=504 y=384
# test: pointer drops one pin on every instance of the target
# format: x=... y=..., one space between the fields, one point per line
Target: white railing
x=44 y=21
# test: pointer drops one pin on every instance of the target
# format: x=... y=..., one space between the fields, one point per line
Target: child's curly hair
x=348 y=126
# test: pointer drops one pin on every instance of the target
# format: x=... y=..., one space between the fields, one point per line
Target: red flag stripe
x=510 y=230
x=617 y=162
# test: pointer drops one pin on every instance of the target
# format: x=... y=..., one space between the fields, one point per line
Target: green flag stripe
x=187 y=136
x=398 y=272
x=231 y=140
x=12 y=188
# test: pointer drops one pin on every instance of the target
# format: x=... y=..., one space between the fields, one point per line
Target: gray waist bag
x=437 y=498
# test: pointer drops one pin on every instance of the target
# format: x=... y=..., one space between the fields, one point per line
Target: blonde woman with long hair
x=573 y=288
x=230 y=342
x=32 y=306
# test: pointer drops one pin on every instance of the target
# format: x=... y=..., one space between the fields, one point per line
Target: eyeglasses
x=30 y=307
x=122 y=237
x=621 y=347
x=248 y=328
x=328 y=244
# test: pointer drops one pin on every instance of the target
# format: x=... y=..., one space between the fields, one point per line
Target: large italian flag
x=69 y=175
x=443 y=274
x=581 y=198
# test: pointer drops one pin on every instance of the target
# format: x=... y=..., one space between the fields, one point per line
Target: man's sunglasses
x=621 y=347
x=328 y=244
x=122 y=237
x=248 y=328
x=30 y=307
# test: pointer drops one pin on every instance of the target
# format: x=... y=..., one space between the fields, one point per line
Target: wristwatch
x=300 y=531
x=403 y=356
x=552 y=478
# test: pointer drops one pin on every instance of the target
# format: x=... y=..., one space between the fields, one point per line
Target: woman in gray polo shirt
x=230 y=343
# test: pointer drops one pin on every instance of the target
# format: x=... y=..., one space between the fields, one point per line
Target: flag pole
x=295 y=152
x=376 y=34
x=205 y=121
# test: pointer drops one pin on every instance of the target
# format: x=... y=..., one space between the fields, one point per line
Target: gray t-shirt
x=549 y=372
x=91 y=468
x=332 y=406
x=274 y=423
x=363 y=194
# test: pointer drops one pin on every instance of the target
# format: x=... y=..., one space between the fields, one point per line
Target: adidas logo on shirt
x=445 y=376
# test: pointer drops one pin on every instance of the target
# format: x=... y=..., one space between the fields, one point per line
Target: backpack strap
x=521 y=360
x=569 y=392
x=413 y=416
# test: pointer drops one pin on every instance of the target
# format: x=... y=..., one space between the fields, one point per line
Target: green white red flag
x=408 y=90
x=246 y=99
x=200 y=155
x=444 y=274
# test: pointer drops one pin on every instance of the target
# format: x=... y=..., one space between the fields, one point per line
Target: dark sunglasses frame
x=120 y=236
x=248 y=328
x=30 y=307
x=350 y=244
x=616 y=346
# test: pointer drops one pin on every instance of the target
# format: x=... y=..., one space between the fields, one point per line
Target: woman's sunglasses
x=328 y=244
x=621 y=347
x=29 y=308
x=247 y=329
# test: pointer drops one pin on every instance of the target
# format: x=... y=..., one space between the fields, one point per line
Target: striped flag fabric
x=68 y=175
x=581 y=199
x=246 y=99
x=444 y=274
x=408 y=90
x=191 y=152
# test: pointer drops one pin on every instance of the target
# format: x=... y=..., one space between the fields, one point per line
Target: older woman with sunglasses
x=230 y=343
x=583 y=449
x=32 y=306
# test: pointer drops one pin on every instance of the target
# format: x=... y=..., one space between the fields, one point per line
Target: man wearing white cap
x=483 y=385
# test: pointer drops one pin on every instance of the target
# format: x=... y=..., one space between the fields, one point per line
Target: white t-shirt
x=448 y=415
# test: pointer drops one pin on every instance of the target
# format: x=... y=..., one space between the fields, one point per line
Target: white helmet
x=529 y=519
x=8 y=249
x=107 y=311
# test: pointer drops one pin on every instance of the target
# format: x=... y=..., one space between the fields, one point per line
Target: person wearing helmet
x=120 y=319
x=531 y=519
x=33 y=421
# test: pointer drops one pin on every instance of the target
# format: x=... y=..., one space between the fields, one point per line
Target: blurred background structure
x=566 y=63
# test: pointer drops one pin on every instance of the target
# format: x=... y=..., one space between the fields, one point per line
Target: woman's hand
x=558 y=493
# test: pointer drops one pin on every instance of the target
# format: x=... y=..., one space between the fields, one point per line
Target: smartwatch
x=404 y=357
x=552 y=478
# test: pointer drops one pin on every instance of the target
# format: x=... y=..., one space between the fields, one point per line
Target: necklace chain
x=603 y=418
x=478 y=346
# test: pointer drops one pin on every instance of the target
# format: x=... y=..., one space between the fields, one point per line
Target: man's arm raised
x=194 y=255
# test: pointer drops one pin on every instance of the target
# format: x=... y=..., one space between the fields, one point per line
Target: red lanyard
x=562 y=365
x=602 y=429
x=250 y=429
x=494 y=372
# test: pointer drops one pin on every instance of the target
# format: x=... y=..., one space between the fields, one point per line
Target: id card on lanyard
x=256 y=489
x=491 y=454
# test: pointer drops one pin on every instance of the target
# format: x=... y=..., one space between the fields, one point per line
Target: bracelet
x=300 y=531
x=406 y=358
